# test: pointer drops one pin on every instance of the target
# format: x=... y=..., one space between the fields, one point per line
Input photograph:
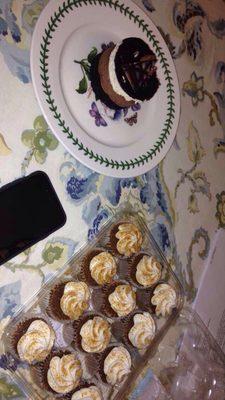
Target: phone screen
x=29 y=211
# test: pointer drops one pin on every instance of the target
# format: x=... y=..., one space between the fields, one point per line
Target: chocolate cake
x=125 y=73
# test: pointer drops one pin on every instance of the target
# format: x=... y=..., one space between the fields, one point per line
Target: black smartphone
x=29 y=211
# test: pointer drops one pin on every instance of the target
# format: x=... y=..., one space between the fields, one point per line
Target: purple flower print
x=106 y=46
x=136 y=107
x=99 y=121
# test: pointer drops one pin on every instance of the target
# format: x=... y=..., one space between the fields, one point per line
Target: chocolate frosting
x=136 y=69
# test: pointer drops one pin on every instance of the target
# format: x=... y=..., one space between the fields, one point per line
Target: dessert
x=125 y=73
x=95 y=334
x=123 y=300
x=164 y=298
x=143 y=330
x=90 y=393
x=103 y=268
x=117 y=365
x=75 y=299
x=64 y=373
x=129 y=239
x=36 y=343
x=148 y=271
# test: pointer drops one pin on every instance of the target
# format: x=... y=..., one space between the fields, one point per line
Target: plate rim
x=100 y=163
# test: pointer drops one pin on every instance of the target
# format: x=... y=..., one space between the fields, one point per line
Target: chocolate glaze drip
x=135 y=69
x=96 y=85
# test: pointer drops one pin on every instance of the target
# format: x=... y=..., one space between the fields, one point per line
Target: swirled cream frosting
x=123 y=300
x=91 y=393
x=103 y=268
x=143 y=330
x=164 y=298
x=64 y=373
x=117 y=365
x=36 y=344
x=75 y=299
x=148 y=271
x=129 y=239
x=96 y=335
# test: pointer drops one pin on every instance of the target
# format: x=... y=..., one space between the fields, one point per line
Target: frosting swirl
x=130 y=239
x=143 y=330
x=103 y=268
x=96 y=335
x=64 y=373
x=148 y=271
x=91 y=393
x=123 y=300
x=164 y=298
x=75 y=299
x=117 y=365
x=36 y=343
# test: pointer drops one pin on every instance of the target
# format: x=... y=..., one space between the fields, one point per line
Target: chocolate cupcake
x=103 y=268
x=115 y=365
x=32 y=340
x=119 y=300
x=92 y=334
x=60 y=373
x=126 y=239
x=68 y=300
x=90 y=393
x=145 y=271
x=164 y=299
x=98 y=267
x=141 y=330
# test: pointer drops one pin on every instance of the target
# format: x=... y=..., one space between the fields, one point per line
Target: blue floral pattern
x=182 y=199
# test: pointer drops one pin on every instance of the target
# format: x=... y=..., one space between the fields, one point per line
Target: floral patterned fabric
x=182 y=199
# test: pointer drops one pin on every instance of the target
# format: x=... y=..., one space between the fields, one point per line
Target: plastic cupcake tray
x=67 y=332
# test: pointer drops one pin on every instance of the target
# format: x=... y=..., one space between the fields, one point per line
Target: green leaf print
x=82 y=86
x=92 y=54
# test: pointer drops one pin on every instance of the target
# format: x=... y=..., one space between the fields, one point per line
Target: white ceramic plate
x=125 y=144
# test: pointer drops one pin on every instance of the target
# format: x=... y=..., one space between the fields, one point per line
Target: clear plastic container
x=73 y=270
x=188 y=364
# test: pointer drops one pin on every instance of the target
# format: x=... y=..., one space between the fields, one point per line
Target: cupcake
x=125 y=73
x=36 y=342
x=143 y=330
x=148 y=271
x=128 y=239
x=62 y=373
x=164 y=299
x=117 y=365
x=69 y=300
x=103 y=268
x=89 y=393
x=95 y=335
x=123 y=300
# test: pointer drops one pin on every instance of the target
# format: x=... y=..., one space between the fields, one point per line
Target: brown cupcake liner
x=128 y=324
x=113 y=240
x=77 y=325
x=143 y=297
x=106 y=308
x=19 y=330
x=39 y=374
x=103 y=357
x=102 y=360
x=119 y=327
x=51 y=302
x=85 y=273
x=132 y=269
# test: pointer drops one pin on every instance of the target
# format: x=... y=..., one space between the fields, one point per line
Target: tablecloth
x=182 y=199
